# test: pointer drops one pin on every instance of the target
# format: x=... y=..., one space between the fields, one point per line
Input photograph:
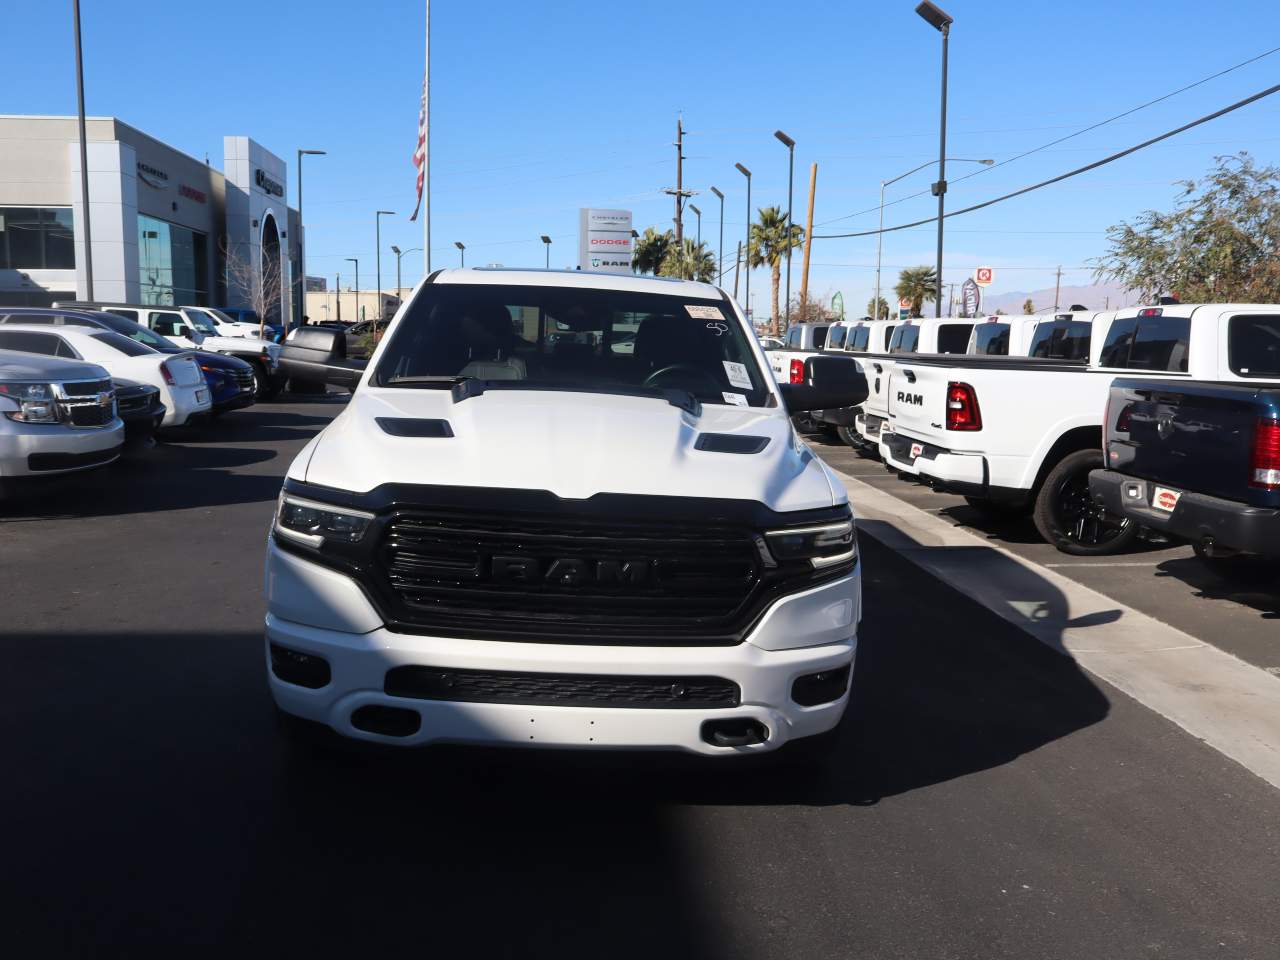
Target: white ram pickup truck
x=912 y=336
x=803 y=341
x=1023 y=433
x=567 y=509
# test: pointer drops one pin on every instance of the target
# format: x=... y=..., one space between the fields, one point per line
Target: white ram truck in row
x=1023 y=433
x=567 y=509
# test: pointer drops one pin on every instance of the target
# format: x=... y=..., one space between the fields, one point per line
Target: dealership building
x=166 y=228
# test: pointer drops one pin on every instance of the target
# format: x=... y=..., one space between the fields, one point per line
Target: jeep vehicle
x=516 y=533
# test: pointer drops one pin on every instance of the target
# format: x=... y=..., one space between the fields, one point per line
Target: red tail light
x=962 y=408
x=797 y=371
x=1264 y=472
x=166 y=373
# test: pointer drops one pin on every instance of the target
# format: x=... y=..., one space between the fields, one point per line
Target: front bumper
x=764 y=666
x=35 y=449
x=1197 y=517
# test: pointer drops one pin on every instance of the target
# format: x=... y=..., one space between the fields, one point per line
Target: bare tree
x=261 y=289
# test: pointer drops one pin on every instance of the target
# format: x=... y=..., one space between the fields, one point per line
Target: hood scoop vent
x=415 y=427
x=730 y=443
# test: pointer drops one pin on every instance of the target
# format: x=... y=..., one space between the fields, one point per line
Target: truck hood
x=25 y=366
x=574 y=445
x=240 y=345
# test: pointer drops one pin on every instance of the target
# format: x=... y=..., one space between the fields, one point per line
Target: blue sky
x=540 y=108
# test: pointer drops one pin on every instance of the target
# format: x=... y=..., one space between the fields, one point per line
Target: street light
x=377 y=243
x=400 y=253
x=547 y=244
x=747 y=173
x=720 y=249
x=302 y=264
x=356 y=261
x=84 y=158
x=791 y=175
x=462 y=252
x=941 y=21
x=880 y=235
x=699 y=214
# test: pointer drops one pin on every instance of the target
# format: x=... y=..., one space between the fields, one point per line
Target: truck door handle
x=910 y=375
x=879 y=369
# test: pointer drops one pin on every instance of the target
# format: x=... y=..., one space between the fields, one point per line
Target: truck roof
x=584 y=279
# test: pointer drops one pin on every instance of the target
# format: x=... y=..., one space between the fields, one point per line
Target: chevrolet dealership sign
x=604 y=240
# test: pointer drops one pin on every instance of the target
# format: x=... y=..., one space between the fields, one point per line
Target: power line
x=1064 y=176
x=1052 y=143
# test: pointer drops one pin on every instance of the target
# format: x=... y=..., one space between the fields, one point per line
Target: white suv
x=567 y=510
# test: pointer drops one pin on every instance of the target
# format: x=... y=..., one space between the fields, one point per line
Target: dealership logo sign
x=152 y=177
x=268 y=185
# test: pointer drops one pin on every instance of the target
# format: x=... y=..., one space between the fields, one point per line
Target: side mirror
x=830 y=384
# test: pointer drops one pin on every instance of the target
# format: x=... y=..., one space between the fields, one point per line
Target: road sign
x=971 y=296
x=837 y=304
x=904 y=309
x=983 y=276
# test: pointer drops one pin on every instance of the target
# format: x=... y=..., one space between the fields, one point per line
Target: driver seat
x=664 y=340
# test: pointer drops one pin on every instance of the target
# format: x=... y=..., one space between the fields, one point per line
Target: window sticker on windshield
x=737 y=399
x=702 y=312
x=738 y=376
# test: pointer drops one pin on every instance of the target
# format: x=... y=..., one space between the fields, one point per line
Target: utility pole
x=337 y=295
x=1057 y=287
x=84 y=159
x=680 y=193
x=951 y=299
x=808 y=240
x=736 y=261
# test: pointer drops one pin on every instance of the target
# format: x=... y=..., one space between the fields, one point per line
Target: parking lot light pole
x=747 y=173
x=720 y=248
x=941 y=21
x=880 y=232
x=400 y=253
x=698 y=213
x=462 y=252
x=377 y=242
x=84 y=157
x=302 y=229
x=546 y=242
x=356 y=261
x=791 y=176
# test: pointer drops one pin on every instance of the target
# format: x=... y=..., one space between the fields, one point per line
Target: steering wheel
x=681 y=373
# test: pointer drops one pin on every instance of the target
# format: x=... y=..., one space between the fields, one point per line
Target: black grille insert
x=561 y=689
x=87 y=388
x=565 y=577
x=90 y=414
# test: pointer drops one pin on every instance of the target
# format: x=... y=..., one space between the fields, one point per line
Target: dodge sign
x=604 y=240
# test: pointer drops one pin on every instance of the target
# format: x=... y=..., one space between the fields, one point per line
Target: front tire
x=1067 y=517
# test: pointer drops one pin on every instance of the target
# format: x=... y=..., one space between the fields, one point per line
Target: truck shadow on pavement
x=1256 y=585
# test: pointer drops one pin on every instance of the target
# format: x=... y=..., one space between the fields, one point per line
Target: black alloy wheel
x=1067 y=516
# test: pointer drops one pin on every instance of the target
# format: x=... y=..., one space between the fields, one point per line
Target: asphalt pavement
x=989 y=800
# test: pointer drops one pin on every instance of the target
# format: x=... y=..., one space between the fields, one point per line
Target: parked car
x=232 y=384
x=1201 y=461
x=192 y=328
x=233 y=322
x=138 y=406
x=359 y=336
x=1024 y=433
x=772 y=343
x=509 y=539
x=56 y=416
x=182 y=385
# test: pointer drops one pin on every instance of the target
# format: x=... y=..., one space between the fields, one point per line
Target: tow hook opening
x=734 y=732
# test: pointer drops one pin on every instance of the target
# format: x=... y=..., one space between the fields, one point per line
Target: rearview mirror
x=830 y=384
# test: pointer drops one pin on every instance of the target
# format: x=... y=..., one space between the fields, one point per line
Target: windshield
x=136 y=331
x=566 y=338
x=117 y=341
x=201 y=321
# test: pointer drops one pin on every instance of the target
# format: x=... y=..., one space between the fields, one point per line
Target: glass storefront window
x=172 y=264
x=36 y=238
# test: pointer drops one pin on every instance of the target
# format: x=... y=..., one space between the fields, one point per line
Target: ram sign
x=604 y=240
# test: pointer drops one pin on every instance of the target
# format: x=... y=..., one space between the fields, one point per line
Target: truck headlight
x=36 y=403
x=823 y=546
x=312 y=523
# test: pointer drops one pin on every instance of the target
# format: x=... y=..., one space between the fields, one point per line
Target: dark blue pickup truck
x=1196 y=460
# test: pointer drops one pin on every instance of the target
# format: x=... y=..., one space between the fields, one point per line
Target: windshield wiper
x=435 y=382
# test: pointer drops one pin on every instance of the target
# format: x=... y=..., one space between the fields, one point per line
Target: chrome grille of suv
x=87 y=403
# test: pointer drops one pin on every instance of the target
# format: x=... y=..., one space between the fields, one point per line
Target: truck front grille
x=561 y=690
x=559 y=578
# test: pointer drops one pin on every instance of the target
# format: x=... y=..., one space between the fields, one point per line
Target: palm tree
x=651 y=250
x=689 y=261
x=769 y=244
x=880 y=314
x=918 y=285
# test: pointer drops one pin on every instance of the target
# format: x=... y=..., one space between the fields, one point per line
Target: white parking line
x=1150 y=563
x=1229 y=704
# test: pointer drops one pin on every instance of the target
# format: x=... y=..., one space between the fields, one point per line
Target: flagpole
x=426 y=156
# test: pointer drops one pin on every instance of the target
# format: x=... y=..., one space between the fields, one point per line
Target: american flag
x=420 y=151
